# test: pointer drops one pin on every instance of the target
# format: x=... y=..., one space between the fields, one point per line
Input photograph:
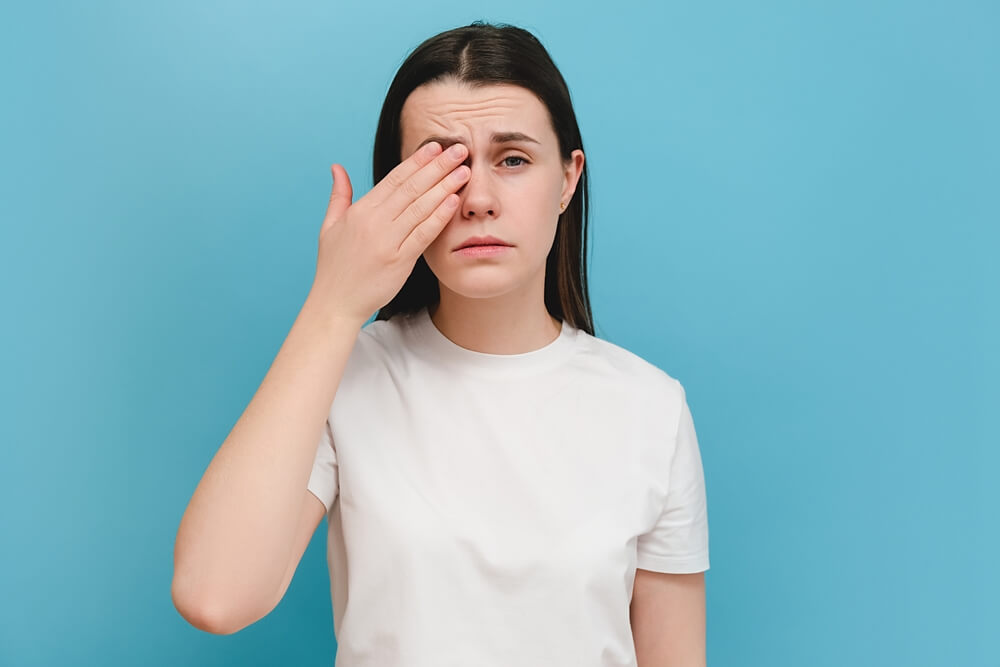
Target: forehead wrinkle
x=478 y=106
x=459 y=116
x=499 y=99
x=444 y=116
x=501 y=124
x=475 y=109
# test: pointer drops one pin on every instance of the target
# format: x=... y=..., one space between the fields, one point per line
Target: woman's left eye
x=515 y=157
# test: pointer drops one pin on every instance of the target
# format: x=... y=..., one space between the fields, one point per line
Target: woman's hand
x=368 y=249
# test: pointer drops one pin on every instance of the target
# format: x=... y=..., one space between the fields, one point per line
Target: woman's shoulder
x=379 y=339
x=615 y=362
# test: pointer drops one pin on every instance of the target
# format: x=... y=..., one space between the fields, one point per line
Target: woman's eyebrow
x=496 y=138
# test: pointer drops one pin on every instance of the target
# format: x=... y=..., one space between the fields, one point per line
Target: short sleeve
x=323 y=481
x=678 y=542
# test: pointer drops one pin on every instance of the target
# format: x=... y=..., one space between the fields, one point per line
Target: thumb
x=342 y=194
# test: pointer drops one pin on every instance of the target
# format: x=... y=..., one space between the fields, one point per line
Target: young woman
x=501 y=486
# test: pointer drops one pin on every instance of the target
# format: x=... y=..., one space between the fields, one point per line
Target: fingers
x=424 y=233
x=421 y=182
x=402 y=171
x=429 y=203
x=340 y=197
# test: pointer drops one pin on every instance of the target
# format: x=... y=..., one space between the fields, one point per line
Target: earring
x=562 y=206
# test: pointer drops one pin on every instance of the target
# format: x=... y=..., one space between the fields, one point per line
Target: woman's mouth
x=483 y=250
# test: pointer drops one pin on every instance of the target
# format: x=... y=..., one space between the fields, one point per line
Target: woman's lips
x=489 y=239
x=483 y=250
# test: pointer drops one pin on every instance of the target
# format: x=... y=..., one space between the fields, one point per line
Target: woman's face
x=513 y=192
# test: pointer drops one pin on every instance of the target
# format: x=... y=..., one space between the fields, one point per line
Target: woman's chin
x=476 y=284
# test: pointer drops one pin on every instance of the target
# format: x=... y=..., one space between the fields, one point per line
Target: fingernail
x=456 y=150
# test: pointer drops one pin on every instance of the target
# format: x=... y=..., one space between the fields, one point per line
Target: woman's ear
x=571 y=175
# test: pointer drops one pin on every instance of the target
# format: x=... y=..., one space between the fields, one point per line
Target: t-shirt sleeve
x=323 y=481
x=678 y=542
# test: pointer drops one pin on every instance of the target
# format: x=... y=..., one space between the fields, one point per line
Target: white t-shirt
x=490 y=510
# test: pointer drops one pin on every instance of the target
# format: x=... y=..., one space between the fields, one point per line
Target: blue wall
x=795 y=214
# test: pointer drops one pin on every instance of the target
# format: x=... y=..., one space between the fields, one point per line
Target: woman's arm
x=238 y=533
x=668 y=619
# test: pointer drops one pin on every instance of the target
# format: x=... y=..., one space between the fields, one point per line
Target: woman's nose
x=479 y=193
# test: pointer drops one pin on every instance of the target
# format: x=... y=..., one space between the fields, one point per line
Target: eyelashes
x=522 y=161
x=515 y=157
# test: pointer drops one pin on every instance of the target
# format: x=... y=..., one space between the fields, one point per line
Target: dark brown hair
x=482 y=54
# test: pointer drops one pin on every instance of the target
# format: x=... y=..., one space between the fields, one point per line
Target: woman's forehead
x=496 y=113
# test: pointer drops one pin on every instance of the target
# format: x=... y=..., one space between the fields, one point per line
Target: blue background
x=795 y=214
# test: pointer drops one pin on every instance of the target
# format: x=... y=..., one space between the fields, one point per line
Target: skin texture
x=668 y=619
x=494 y=304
